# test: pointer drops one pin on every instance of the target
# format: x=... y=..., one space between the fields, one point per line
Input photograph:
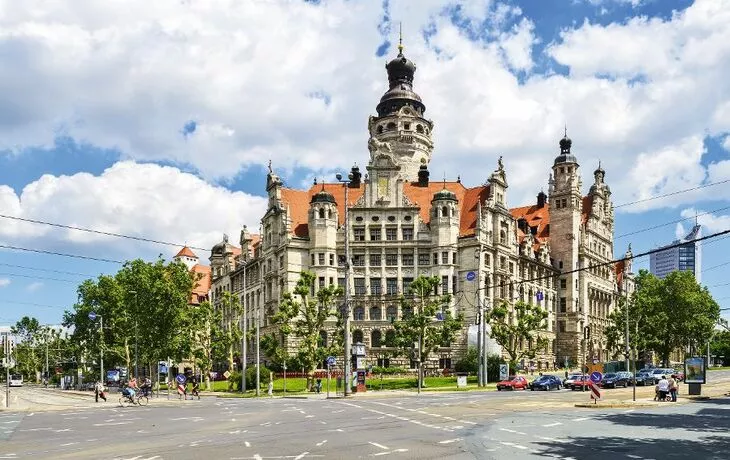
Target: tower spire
x=400 y=38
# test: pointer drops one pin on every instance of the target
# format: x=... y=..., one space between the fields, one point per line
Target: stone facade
x=402 y=225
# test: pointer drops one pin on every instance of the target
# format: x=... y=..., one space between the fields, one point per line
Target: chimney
x=423 y=175
x=355 y=177
x=541 y=199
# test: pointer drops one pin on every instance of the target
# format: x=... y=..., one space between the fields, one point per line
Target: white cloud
x=679 y=231
x=4 y=282
x=130 y=75
x=143 y=200
x=34 y=286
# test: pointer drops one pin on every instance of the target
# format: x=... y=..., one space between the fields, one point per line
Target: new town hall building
x=402 y=224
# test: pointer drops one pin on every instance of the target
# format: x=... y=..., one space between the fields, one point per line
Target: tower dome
x=401 y=71
x=565 y=155
x=444 y=195
x=323 y=196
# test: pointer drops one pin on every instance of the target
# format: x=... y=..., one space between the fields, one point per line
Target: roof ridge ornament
x=400 y=38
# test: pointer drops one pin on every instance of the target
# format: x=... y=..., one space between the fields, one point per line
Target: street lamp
x=92 y=317
x=346 y=306
x=136 y=344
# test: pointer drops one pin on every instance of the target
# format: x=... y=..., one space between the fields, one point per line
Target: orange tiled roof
x=186 y=252
x=586 y=211
x=619 y=267
x=298 y=202
x=202 y=285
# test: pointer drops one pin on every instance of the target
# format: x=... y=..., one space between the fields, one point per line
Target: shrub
x=388 y=370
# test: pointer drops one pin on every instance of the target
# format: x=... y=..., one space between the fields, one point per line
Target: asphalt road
x=433 y=425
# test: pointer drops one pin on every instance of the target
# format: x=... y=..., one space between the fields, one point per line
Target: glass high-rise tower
x=685 y=257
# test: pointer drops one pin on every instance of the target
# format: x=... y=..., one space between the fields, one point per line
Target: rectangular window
x=561 y=326
x=563 y=283
x=312 y=259
x=444 y=363
x=391 y=286
x=375 y=234
x=444 y=285
x=564 y=203
x=358 y=260
x=407 y=233
x=341 y=260
x=332 y=259
x=321 y=282
x=560 y=264
x=391 y=233
x=407 y=259
x=453 y=283
x=407 y=284
x=358 y=233
x=487 y=260
x=391 y=259
x=332 y=281
x=375 y=287
x=383 y=362
x=281 y=261
x=320 y=258
x=435 y=258
x=376 y=260
x=503 y=263
x=444 y=258
x=563 y=305
x=341 y=282
x=453 y=258
x=423 y=258
x=359 y=286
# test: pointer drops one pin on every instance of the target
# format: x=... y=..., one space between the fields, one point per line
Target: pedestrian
x=99 y=391
x=662 y=388
x=673 y=387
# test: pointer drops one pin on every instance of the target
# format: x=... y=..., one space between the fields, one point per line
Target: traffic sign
x=439 y=316
x=181 y=379
x=331 y=361
x=226 y=374
x=471 y=276
x=92 y=316
x=595 y=392
x=596 y=377
x=540 y=296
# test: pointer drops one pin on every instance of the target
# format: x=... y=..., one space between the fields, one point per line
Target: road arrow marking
x=379 y=445
x=449 y=441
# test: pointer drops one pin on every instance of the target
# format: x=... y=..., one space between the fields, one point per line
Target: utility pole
x=480 y=319
x=244 y=355
x=346 y=306
x=258 y=355
x=136 y=338
x=626 y=305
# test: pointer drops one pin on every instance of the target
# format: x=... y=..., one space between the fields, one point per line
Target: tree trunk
x=127 y=357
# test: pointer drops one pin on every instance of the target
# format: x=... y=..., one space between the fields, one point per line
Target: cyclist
x=196 y=388
x=146 y=387
x=132 y=388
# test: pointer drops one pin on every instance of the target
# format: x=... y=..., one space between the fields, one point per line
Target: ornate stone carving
x=375 y=145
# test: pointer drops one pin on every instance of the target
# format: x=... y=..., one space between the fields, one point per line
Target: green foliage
x=720 y=346
x=264 y=376
x=666 y=315
x=33 y=341
x=146 y=301
x=377 y=370
x=469 y=363
x=302 y=317
x=421 y=326
x=519 y=325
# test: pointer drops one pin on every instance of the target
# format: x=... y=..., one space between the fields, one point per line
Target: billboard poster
x=112 y=375
x=694 y=370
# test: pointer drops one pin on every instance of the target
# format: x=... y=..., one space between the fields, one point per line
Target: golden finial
x=400 y=38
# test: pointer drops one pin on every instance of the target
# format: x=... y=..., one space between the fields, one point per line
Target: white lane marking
x=552 y=424
x=449 y=441
x=323 y=422
x=300 y=456
x=338 y=411
x=390 y=452
x=112 y=423
x=511 y=444
x=194 y=419
x=378 y=445
x=511 y=431
x=308 y=416
x=340 y=430
x=546 y=438
x=321 y=442
x=632 y=456
x=581 y=419
x=68 y=444
x=629 y=411
x=246 y=443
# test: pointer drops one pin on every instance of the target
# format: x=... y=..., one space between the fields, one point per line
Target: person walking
x=662 y=388
x=673 y=387
x=99 y=391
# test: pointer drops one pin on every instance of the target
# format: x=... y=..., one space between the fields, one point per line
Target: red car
x=512 y=383
x=581 y=382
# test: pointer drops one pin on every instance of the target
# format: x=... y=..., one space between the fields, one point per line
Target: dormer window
x=380 y=129
x=419 y=129
x=406 y=126
x=391 y=126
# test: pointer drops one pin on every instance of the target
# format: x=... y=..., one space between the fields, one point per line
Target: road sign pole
x=328 y=381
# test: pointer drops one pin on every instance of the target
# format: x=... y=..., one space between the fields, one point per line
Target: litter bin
x=461 y=379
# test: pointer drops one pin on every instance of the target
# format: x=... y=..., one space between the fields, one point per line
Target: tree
x=145 y=303
x=211 y=340
x=511 y=329
x=419 y=332
x=29 y=333
x=679 y=313
x=302 y=317
x=230 y=311
x=615 y=332
x=720 y=346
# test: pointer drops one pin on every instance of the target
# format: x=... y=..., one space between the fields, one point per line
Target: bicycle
x=139 y=399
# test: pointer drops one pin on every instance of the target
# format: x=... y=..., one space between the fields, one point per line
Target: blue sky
x=164 y=130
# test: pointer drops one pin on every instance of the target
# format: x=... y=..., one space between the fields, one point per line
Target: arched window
x=321 y=213
x=444 y=212
x=380 y=129
x=419 y=129
x=329 y=214
x=375 y=314
x=359 y=313
x=391 y=313
x=407 y=312
x=391 y=126
x=502 y=236
x=390 y=338
x=375 y=339
x=322 y=342
x=357 y=336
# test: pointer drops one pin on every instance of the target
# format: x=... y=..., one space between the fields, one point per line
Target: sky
x=157 y=119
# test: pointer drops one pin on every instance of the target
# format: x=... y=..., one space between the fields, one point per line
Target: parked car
x=614 y=380
x=645 y=377
x=581 y=382
x=567 y=383
x=679 y=375
x=513 y=382
x=629 y=376
x=546 y=382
